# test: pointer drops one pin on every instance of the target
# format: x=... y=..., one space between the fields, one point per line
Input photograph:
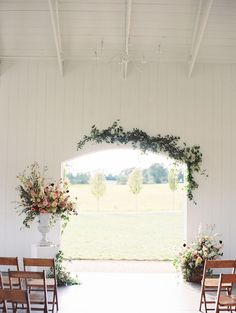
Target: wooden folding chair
x=8 y=263
x=15 y=297
x=37 y=297
x=226 y=302
x=51 y=282
x=210 y=284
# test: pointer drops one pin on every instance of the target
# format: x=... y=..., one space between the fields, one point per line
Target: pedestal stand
x=44 y=252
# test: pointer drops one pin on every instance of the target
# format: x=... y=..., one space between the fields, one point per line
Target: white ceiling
x=159 y=29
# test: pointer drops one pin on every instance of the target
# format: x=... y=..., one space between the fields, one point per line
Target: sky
x=115 y=160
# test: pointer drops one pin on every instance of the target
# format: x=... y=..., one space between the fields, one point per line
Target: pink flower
x=43 y=211
x=45 y=202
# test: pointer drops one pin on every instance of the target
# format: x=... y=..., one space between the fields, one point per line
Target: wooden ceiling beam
x=202 y=17
x=56 y=33
x=127 y=36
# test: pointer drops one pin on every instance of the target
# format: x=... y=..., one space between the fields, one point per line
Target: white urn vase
x=44 y=228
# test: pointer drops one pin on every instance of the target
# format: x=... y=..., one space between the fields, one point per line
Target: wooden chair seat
x=213 y=283
x=36 y=298
x=38 y=282
x=227 y=300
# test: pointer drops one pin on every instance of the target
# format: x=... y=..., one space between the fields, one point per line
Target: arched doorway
x=132 y=206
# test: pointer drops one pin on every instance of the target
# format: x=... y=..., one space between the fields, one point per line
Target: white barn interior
x=166 y=67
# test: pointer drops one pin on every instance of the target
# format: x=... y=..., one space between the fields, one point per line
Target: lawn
x=153 y=197
x=119 y=230
x=130 y=236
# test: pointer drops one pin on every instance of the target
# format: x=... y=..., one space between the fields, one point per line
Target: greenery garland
x=139 y=139
x=63 y=277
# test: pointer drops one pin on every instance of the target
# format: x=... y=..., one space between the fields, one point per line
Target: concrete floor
x=111 y=266
x=129 y=293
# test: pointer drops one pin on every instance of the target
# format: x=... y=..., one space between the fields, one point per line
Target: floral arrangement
x=38 y=197
x=190 y=260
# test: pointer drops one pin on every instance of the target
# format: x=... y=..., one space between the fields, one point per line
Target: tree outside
x=79 y=178
x=173 y=182
x=135 y=183
x=123 y=177
x=98 y=186
x=159 y=173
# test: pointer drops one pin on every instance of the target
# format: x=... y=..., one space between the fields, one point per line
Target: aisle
x=129 y=293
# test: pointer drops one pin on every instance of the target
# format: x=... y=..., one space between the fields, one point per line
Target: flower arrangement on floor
x=190 y=260
x=38 y=197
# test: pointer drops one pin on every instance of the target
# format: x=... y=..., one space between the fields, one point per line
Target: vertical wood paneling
x=115 y=92
x=227 y=195
x=232 y=230
x=4 y=116
x=43 y=115
x=144 y=96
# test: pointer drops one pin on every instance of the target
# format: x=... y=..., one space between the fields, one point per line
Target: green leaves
x=63 y=277
x=169 y=144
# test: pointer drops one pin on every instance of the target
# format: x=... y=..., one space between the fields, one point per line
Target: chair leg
x=53 y=301
x=229 y=291
x=205 y=302
x=201 y=298
x=14 y=307
x=46 y=308
x=200 y=306
x=5 y=307
x=56 y=294
x=216 y=309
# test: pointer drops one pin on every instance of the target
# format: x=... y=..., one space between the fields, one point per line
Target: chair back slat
x=228 y=278
x=26 y=274
x=38 y=262
x=12 y=261
x=220 y=264
x=13 y=295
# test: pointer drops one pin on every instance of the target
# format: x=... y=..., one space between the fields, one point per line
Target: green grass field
x=130 y=236
x=118 y=198
x=118 y=231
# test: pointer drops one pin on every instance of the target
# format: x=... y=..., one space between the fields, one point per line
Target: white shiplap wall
x=43 y=115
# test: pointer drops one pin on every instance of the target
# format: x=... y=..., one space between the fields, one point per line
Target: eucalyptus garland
x=169 y=144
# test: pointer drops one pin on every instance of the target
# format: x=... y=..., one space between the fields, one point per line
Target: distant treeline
x=155 y=174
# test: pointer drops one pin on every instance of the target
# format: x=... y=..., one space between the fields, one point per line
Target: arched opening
x=131 y=206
